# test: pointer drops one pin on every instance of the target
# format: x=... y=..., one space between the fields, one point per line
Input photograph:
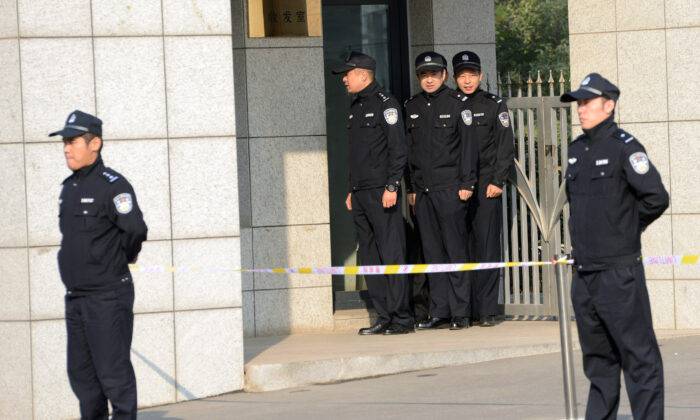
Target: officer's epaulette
x=494 y=98
x=624 y=136
x=383 y=96
x=459 y=95
x=110 y=176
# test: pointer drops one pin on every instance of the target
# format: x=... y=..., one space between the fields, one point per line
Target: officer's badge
x=414 y=116
x=505 y=119
x=467 y=117
x=640 y=162
x=123 y=203
x=71 y=120
x=465 y=57
x=572 y=160
x=585 y=81
x=391 y=115
x=428 y=58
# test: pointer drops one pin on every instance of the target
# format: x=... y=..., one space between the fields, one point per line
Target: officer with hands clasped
x=614 y=193
x=377 y=161
x=495 y=138
x=443 y=155
x=102 y=230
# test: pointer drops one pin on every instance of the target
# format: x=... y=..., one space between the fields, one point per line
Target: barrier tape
x=401 y=269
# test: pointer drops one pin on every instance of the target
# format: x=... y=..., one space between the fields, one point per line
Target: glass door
x=376 y=28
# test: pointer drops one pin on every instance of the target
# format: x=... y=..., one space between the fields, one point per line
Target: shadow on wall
x=169 y=379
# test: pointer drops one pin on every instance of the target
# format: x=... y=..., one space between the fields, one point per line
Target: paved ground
x=513 y=388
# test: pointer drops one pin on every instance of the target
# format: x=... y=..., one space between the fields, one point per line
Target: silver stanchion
x=566 y=347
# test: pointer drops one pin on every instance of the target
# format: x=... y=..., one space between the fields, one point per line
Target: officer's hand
x=411 y=199
x=389 y=199
x=493 y=191
x=465 y=194
x=348 y=202
x=136 y=258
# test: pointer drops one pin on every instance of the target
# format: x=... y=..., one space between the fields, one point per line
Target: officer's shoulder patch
x=123 y=203
x=383 y=96
x=391 y=115
x=622 y=135
x=494 y=98
x=110 y=175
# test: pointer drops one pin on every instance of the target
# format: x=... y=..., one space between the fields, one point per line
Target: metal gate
x=534 y=225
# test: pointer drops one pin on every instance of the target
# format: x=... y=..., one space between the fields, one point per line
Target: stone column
x=648 y=49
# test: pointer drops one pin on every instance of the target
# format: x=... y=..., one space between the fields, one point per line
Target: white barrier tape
x=400 y=269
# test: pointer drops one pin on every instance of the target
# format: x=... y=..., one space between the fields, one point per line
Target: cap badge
x=71 y=120
x=585 y=81
x=465 y=57
x=428 y=58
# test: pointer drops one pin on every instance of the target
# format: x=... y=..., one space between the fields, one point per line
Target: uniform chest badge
x=123 y=203
x=467 y=117
x=391 y=115
x=572 y=160
x=414 y=116
x=505 y=119
x=639 y=162
x=601 y=162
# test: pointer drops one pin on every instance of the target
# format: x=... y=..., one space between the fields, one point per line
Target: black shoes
x=488 y=321
x=377 y=328
x=396 y=329
x=459 y=322
x=434 y=323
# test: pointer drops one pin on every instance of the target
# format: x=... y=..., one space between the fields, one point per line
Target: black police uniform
x=495 y=136
x=443 y=159
x=377 y=160
x=102 y=229
x=614 y=193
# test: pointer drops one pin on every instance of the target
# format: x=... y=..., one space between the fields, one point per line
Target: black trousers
x=381 y=236
x=100 y=328
x=613 y=316
x=442 y=221
x=486 y=226
x=421 y=290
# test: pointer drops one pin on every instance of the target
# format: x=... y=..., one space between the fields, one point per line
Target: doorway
x=378 y=29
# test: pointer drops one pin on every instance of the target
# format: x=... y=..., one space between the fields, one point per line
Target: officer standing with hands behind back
x=614 y=193
x=377 y=162
x=495 y=137
x=103 y=229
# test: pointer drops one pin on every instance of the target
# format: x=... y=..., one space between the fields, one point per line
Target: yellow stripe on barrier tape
x=690 y=259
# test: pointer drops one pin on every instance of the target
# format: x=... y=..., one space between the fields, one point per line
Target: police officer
x=377 y=161
x=614 y=193
x=495 y=137
x=443 y=156
x=102 y=229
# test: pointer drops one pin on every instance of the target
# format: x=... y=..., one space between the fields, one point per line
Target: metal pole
x=566 y=348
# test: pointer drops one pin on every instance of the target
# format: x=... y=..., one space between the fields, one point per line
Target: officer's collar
x=436 y=93
x=602 y=130
x=371 y=89
x=471 y=95
x=85 y=170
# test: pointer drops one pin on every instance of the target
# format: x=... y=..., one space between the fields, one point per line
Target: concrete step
x=274 y=363
x=353 y=319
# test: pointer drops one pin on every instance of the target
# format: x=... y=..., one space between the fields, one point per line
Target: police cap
x=79 y=123
x=465 y=59
x=356 y=60
x=593 y=86
x=430 y=61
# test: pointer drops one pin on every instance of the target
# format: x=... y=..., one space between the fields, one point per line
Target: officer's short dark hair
x=89 y=137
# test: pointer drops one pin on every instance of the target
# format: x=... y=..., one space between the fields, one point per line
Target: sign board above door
x=284 y=18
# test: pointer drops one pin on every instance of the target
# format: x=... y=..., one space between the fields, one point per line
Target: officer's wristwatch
x=391 y=188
